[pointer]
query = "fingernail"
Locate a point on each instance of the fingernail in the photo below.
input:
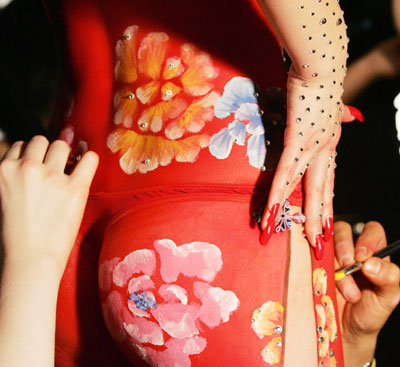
(269, 229)
(347, 259)
(328, 229)
(266, 234)
(361, 253)
(274, 213)
(319, 247)
(356, 113)
(373, 265)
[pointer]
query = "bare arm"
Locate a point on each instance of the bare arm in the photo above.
(42, 210)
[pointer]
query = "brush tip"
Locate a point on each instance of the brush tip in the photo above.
(340, 275)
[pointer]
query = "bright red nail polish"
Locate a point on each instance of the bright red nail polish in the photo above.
(319, 247)
(356, 113)
(267, 233)
(274, 212)
(269, 229)
(328, 229)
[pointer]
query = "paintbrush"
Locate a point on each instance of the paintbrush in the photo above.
(389, 250)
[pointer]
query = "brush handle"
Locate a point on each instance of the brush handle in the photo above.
(393, 247)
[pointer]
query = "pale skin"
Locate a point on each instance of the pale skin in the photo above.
(42, 209)
(364, 311)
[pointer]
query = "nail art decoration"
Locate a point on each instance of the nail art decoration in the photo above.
(284, 222)
(298, 218)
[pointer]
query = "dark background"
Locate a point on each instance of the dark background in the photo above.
(368, 173)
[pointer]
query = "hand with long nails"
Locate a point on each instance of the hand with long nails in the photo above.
(316, 43)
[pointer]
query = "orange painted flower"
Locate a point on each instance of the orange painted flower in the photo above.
(271, 354)
(323, 344)
(268, 319)
(329, 360)
(331, 326)
(145, 153)
(326, 325)
(163, 96)
(320, 283)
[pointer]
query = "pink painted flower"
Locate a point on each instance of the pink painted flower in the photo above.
(156, 319)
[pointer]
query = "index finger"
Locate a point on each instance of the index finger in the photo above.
(344, 245)
(371, 239)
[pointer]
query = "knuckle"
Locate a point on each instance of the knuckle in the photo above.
(40, 139)
(341, 225)
(28, 165)
(60, 144)
(17, 143)
(373, 223)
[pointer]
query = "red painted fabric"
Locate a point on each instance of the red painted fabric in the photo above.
(179, 99)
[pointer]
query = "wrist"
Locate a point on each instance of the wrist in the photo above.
(359, 350)
(43, 270)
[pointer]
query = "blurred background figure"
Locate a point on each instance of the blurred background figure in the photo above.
(368, 173)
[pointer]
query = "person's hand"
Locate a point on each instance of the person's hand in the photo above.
(314, 114)
(42, 207)
(366, 301)
(385, 58)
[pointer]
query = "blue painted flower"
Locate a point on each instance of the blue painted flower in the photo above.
(221, 143)
(143, 301)
(256, 150)
(237, 91)
(239, 98)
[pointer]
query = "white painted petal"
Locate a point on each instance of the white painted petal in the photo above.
(139, 261)
(221, 144)
(141, 283)
(144, 331)
(237, 91)
(237, 130)
(256, 150)
(173, 293)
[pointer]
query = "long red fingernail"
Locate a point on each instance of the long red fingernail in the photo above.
(274, 213)
(267, 233)
(328, 229)
(356, 113)
(319, 247)
(269, 229)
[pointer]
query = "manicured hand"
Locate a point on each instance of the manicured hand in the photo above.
(312, 133)
(367, 300)
(42, 206)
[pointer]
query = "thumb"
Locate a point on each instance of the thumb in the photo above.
(385, 277)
